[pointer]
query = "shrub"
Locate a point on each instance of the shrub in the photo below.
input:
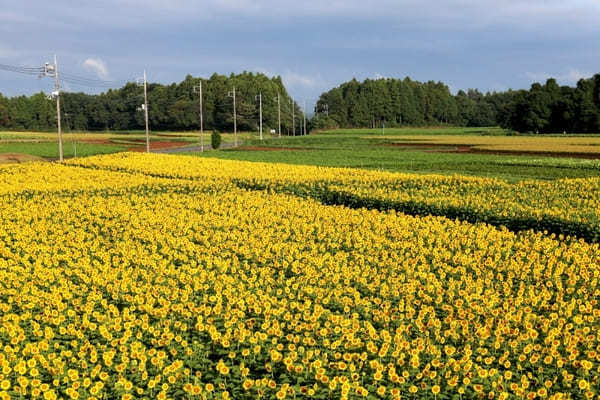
(215, 139)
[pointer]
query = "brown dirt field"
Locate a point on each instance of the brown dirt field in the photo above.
(157, 145)
(266, 148)
(463, 149)
(17, 158)
(96, 141)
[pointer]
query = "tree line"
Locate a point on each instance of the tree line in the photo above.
(396, 102)
(550, 108)
(171, 107)
(544, 108)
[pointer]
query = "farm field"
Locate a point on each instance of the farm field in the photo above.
(335, 301)
(158, 276)
(433, 150)
(49, 150)
(565, 206)
(80, 144)
(466, 151)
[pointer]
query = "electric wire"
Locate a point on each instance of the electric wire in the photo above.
(92, 81)
(22, 70)
(65, 77)
(86, 83)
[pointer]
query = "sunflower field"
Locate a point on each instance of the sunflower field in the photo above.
(568, 207)
(144, 276)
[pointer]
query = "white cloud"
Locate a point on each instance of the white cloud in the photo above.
(97, 66)
(295, 80)
(569, 77)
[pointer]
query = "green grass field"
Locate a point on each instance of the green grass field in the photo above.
(49, 150)
(361, 149)
(18, 145)
(422, 150)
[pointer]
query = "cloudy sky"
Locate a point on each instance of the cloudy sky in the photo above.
(313, 44)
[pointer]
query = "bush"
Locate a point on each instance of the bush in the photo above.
(215, 139)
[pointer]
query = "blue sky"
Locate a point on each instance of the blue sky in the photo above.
(313, 44)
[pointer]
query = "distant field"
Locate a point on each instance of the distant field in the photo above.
(50, 150)
(81, 144)
(110, 136)
(567, 145)
(468, 151)
(442, 130)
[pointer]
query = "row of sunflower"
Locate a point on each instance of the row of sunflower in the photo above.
(125, 285)
(568, 207)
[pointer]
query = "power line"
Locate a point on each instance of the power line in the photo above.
(65, 77)
(94, 80)
(91, 82)
(86, 84)
(22, 70)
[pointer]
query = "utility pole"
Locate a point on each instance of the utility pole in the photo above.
(304, 117)
(60, 144)
(145, 109)
(259, 97)
(279, 114)
(146, 112)
(235, 141)
(293, 116)
(198, 89)
(48, 69)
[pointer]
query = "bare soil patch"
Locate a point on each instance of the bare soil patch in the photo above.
(157, 145)
(183, 135)
(96, 141)
(17, 158)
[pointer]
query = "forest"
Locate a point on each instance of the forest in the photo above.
(544, 108)
(172, 107)
(550, 108)
(396, 102)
